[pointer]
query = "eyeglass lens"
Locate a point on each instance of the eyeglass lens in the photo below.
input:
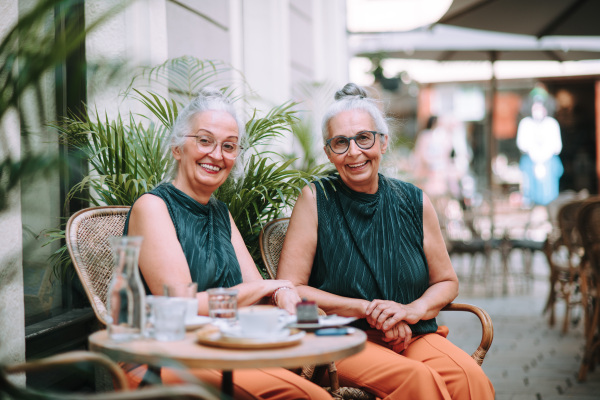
(207, 144)
(340, 144)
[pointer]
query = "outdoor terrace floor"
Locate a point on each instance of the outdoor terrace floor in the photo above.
(528, 359)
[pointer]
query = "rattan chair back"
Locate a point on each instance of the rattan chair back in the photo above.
(87, 234)
(271, 242)
(588, 224)
(567, 222)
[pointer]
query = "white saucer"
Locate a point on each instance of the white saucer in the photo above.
(236, 332)
(328, 321)
(197, 322)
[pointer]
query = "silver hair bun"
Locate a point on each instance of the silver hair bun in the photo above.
(351, 90)
(211, 92)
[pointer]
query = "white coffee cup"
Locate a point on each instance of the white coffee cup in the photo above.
(260, 321)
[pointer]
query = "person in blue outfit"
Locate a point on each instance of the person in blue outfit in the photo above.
(538, 138)
(190, 236)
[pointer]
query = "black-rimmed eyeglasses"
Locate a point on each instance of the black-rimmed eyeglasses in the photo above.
(207, 144)
(363, 139)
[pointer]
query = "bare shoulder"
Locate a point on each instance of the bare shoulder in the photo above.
(307, 201)
(149, 207)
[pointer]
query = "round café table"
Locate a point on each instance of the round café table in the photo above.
(312, 349)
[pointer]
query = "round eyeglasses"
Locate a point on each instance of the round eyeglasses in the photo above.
(207, 144)
(363, 139)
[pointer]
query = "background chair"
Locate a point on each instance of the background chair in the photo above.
(76, 359)
(271, 242)
(588, 225)
(564, 256)
(87, 234)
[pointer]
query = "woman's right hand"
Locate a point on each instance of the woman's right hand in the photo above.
(400, 333)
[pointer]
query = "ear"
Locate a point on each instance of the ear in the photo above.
(176, 151)
(384, 143)
(326, 150)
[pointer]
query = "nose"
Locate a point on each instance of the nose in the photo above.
(353, 148)
(217, 152)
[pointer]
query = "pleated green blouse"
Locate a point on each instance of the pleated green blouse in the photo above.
(204, 232)
(370, 246)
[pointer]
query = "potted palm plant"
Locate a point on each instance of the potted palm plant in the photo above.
(127, 156)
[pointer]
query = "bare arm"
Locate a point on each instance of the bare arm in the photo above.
(295, 263)
(162, 259)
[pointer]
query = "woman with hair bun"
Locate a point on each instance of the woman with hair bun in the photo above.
(367, 246)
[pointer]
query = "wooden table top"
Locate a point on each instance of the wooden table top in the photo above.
(311, 350)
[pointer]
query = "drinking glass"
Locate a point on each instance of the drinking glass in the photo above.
(169, 318)
(222, 305)
(187, 292)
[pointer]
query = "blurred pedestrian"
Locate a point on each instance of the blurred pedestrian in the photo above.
(538, 138)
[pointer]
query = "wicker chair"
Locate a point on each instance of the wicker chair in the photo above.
(87, 234)
(271, 242)
(564, 256)
(588, 225)
(75, 358)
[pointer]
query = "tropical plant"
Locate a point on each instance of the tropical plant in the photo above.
(127, 157)
(28, 52)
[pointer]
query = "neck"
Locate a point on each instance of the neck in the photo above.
(201, 196)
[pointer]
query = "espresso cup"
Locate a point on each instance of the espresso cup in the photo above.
(260, 321)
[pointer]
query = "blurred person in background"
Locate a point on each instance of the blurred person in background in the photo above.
(538, 138)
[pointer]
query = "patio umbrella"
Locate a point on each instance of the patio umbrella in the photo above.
(449, 43)
(538, 18)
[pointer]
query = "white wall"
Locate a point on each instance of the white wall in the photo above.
(135, 37)
(12, 313)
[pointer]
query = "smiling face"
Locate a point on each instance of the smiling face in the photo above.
(200, 173)
(358, 168)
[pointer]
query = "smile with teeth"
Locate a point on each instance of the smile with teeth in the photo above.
(357, 165)
(211, 167)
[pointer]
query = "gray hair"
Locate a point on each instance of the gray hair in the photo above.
(354, 97)
(208, 99)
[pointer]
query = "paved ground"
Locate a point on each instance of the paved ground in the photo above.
(528, 359)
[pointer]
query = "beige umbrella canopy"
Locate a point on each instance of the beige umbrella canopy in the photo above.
(538, 18)
(450, 43)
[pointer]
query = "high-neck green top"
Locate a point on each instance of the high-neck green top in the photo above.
(204, 232)
(370, 246)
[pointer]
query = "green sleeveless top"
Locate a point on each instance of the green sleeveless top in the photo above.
(204, 232)
(370, 246)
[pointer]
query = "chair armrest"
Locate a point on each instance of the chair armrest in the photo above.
(72, 357)
(487, 328)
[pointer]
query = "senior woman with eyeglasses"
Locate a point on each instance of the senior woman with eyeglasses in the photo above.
(367, 246)
(189, 236)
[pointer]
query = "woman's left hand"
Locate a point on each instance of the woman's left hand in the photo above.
(287, 299)
(385, 314)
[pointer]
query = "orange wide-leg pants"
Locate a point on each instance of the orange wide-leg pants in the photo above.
(430, 368)
(248, 384)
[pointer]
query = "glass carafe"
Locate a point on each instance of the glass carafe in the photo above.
(126, 296)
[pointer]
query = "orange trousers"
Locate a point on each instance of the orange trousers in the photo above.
(248, 384)
(430, 368)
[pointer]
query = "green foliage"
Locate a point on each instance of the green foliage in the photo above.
(28, 52)
(128, 158)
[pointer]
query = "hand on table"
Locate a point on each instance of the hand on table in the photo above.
(287, 300)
